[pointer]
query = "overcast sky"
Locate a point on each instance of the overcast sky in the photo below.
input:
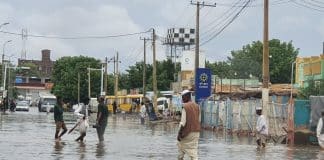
(288, 22)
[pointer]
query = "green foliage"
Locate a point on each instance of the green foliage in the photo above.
(313, 88)
(31, 72)
(65, 77)
(165, 72)
(221, 69)
(248, 61)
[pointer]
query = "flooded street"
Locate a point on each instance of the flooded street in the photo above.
(30, 135)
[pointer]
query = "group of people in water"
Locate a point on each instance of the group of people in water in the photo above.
(83, 119)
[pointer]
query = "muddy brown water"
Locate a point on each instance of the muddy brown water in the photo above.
(30, 135)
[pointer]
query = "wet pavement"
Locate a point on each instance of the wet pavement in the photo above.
(30, 135)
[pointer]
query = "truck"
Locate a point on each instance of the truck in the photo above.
(46, 103)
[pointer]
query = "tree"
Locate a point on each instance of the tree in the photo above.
(314, 88)
(248, 60)
(165, 75)
(65, 77)
(221, 69)
(31, 72)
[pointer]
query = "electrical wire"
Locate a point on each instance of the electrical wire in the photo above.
(314, 5)
(277, 2)
(77, 37)
(226, 25)
(221, 19)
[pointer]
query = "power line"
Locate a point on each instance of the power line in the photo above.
(311, 6)
(226, 25)
(277, 2)
(221, 19)
(77, 37)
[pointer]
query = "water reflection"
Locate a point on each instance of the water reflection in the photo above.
(58, 148)
(128, 139)
(114, 122)
(100, 150)
(260, 154)
(320, 154)
(81, 149)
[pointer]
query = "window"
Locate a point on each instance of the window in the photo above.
(192, 31)
(176, 35)
(186, 35)
(181, 30)
(181, 40)
(192, 40)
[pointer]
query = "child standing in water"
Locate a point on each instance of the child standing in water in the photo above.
(83, 121)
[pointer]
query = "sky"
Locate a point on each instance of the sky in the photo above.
(295, 21)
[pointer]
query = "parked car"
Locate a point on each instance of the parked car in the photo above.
(22, 106)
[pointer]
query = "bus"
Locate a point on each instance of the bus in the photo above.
(126, 103)
(46, 103)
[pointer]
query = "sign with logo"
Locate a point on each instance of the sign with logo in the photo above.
(203, 84)
(19, 80)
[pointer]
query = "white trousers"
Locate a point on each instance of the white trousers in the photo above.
(189, 146)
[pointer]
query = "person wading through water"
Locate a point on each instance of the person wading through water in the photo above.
(102, 118)
(83, 121)
(261, 128)
(58, 117)
(189, 131)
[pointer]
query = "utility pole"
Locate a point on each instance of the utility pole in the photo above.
(144, 66)
(198, 5)
(266, 45)
(116, 76)
(265, 65)
(79, 88)
(106, 76)
(154, 71)
(102, 80)
(89, 90)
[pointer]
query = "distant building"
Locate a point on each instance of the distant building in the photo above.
(308, 68)
(45, 65)
(31, 87)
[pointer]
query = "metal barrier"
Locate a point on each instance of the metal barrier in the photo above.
(239, 115)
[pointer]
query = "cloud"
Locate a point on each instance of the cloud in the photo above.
(79, 21)
(320, 28)
(6, 12)
(291, 23)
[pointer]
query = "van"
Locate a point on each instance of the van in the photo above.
(162, 104)
(93, 105)
(46, 103)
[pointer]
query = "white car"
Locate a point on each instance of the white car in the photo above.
(22, 106)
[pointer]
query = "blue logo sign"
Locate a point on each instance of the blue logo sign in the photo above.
(19, 80)
(202, 83)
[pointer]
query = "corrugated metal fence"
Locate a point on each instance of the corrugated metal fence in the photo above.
(239, 115)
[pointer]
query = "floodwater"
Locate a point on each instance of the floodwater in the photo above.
(30, 135)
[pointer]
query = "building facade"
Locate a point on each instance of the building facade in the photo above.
(31, 87)
(309, 68)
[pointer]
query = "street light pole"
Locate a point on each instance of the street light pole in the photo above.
(3, 54)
